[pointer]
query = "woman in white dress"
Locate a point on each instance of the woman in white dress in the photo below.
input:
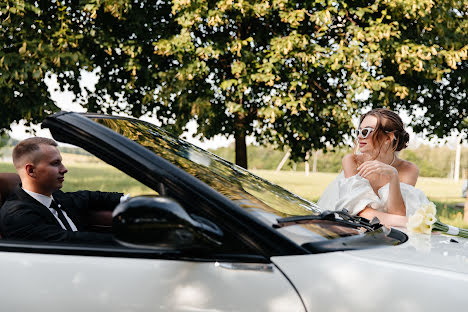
(374, 181)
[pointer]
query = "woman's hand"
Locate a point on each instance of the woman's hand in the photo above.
(387, 219)
(395, 204)
(370, 167)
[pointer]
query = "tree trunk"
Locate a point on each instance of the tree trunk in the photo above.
(241, 146)
(241, 151)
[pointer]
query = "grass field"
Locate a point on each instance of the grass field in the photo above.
(89, 173)
(444, 193)
(310, 187)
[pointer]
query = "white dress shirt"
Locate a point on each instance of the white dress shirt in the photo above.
(47, 201)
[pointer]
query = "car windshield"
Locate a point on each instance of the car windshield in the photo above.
(265, 200)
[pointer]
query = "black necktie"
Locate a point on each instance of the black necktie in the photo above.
(61, 216)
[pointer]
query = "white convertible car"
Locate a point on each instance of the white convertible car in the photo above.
(218, 238)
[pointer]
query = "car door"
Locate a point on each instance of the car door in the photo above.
(237, 276)
(68, 278)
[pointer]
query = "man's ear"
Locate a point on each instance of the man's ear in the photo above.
(30, 170)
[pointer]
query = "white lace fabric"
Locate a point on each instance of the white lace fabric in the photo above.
(355, 193)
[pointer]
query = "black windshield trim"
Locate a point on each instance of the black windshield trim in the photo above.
(341, 217)
(368, 240)
(151, 169)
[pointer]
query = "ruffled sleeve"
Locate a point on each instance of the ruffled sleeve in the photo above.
(329, 197)
(413, 198)
(355, 194)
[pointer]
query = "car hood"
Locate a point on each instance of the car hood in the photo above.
(426, 273)
(437, 251)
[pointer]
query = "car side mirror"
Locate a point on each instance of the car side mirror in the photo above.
(158, 222)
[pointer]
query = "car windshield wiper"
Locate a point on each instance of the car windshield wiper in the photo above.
(341, 217)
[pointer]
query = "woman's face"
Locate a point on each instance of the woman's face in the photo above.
(365, 144)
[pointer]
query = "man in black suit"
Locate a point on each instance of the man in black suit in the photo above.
(38, 210)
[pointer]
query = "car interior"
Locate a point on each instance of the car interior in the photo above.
(8, 182)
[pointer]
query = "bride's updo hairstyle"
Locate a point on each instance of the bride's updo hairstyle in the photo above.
(387, 122)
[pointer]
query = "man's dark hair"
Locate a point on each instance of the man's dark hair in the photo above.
(26, 150)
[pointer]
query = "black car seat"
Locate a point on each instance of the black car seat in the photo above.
(8, 183)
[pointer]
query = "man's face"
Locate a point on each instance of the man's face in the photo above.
(49, 171)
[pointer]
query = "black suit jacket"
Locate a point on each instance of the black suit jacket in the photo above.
(23, 217)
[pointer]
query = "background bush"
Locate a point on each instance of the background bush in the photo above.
(432, 161)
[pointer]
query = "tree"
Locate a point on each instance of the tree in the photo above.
(209, 71)
(290, 73)
(426, 62)
(37, 38)
(4, 139)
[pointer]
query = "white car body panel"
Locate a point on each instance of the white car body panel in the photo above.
(426, 273)
(408, 277)
(436, 251)
(53, 283)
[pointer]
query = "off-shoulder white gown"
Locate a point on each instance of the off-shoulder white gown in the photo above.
(355, 193)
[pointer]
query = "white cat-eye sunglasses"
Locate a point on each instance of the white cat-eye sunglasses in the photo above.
(364, 132)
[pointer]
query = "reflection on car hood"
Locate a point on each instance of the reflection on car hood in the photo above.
(437, 251)
(426, 273)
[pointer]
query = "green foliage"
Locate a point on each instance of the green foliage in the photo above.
(267, 158)
(7, 167)
(432, 161)
(73, 150)
(4, 139)
(37, 38)
(289, 73)
(259, 157)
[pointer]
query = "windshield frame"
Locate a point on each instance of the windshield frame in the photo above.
(150, 169)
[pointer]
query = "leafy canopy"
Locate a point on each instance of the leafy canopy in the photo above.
(290, 73)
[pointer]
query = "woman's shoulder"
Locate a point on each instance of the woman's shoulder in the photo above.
(408, 166)
(408, 172)
(349, 163)
(348, 158)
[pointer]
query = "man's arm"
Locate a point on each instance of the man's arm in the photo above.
(23, 221)
(91, 200)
